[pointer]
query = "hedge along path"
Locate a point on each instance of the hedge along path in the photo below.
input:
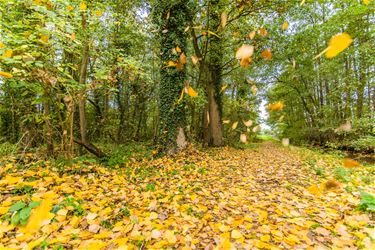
(220, 198)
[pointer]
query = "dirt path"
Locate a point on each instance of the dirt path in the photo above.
(218, 199)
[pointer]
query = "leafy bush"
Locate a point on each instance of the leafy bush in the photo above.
(367, 202)
(365, 143)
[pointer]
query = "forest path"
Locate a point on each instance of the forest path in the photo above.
(266, 197)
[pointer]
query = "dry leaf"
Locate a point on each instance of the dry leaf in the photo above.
(252, 34)
(224, 19)
(245, 51)
(194, 59)
(263, 32)
(266, 54)
(248, 123)
(349, 163)
(243, 138)
(6, 74)
(234, 125)
(284, 26)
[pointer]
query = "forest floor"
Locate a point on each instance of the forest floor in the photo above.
(261, 197)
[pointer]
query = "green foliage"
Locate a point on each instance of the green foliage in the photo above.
(367, 202)
(8, 149)
(342, 174)
(19, 212)
(320, 172)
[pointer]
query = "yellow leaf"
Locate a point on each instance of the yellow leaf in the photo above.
(349, 163)
(187, 29)
(171, 64)
(191, 92)
(2, 45)
(170, 237)
(6, 74)
(254, 89)
(8, 53)
(223, 88)
(248, 123)
(39, 216)
(267, 54)
(245, 62)
(35, 243)
(182, 58)
(181, 96)
(224, 228)
(178, 49)
(263, 32)
(235, 234)
(226, 121)
(224, 19)
(234, 125)
(225, 244)
(3, 210)
(243, 138)
(73, 36)
(70, 8)
(337, 44)
(252, 34)
(194, 59)
(284, 26)
(265, 238)
(44, 38)
(98, 13)
(291, 240)
(245, 51)
(83, 6)
(302, 2)
(366, 2)
(277, 106)
(313, 189)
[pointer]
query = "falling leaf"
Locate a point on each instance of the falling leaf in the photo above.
(263, 32)
(243, 138)
(235, 234)
(226, 121)
(245, 51)
(39, 216)
(331, 184)
(164, 31)
(284, 26)
(83, 6)
(337, 44)
(191, 92)
(8, 53)
(248, 123)
(345, 127)
(252, 34)
(349, 163)
(267, 54)
(223, 88)
(194, 59)
(366, 2)
(178, 49)
(44, 38)
(182, 58)
(245, 62)
(234, 125)
(6, 74)
(70, 8)
(2, 45)
(181, 95)
(254, 89)
(277, 106)
(98, 13)
(302, 2)
(73, 36)
(224, 19)
(171, 64)
(187, 29)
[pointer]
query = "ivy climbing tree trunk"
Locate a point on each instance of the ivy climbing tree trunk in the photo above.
(171, 19)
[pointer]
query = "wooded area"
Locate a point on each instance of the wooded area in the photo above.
(158, 88)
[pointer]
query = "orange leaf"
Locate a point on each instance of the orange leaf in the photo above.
(182, 58)
(8, 53)
(267, 54)
(70, 8)
(6, 74)
(263, 32)
(349, 163)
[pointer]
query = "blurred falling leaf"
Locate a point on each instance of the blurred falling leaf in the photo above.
(277, 106)
(194, 59)
(8, 53)
(245, 62)
(349, 163)
(226, 121)
(2, 45)
(302, 2)
(256, 129)
(245, 51)
(285, 142)
(366, 2)
(191, 92)
(187, 29)
(263, 32)
(6, 74)
(284, 26)
(70, 8)
(243, 138)
(331, 184)
(178, 49)
(224, 19)
(83, 6)
(182, 58)
(73, 36)
(223, 88)
(44, 38)
(252, 34)
(234, 125)
(39, 216)
(98, 13)
(337, 44)
(267, 54)
(248, 123)
(254, 89)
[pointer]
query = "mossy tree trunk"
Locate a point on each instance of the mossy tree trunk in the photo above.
(171, 19)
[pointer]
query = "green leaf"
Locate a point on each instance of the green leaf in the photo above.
(15, 219)
(17, 206)
(25, 213)
(34, 204)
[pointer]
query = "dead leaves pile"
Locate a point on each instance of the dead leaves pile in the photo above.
(216, 199)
